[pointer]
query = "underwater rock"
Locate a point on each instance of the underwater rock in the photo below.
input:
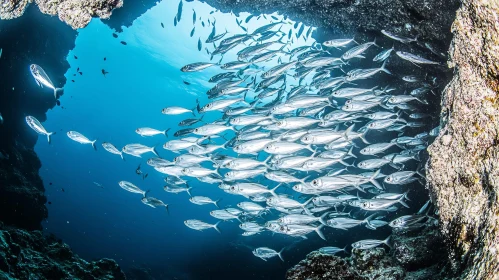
(22, 197)
(31, 255)
(424, 18)
(418, 254)
(463, 170)
(318, 266)
(76, 13)
(10, 9)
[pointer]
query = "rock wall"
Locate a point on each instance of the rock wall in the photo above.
(463, 171)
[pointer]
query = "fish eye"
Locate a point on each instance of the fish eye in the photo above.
(365, 204)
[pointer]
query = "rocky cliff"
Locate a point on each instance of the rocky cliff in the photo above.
(463, 171)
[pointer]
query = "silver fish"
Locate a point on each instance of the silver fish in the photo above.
(131, 188)
(80, 138)
(199, 225)
(265, 253)
(112, 149)
(42, 79)
(38, 127)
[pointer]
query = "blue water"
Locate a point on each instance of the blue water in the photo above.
(143, 78)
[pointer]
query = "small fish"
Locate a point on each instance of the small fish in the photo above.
(187, 83)
(1, 118)
(75, 56)
(147, 131)
(248, 18)
(200, 46)
(265, 253)
(137, 150)
(174, 110)
(162, 25)
(112, 149)
(175, 21)
(193, 17)
(42, 79)
(115, 35)
(80, 138)
(105, 59)
(415, 59)
(193, 30)
(179, 10)
(154, 202)
(331, 250)
(395, 37)
(370, 243)
(203, 200)
(104, 72)
(189, 122)
(131, 188)
(199, 225)
(198, 66)
(123, 43)
(38, 127)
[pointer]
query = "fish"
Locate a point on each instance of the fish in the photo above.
(415, 59)
(383, 55)
(38, 127)
(179, 11)
(192, 32)
(1, 119)
(132, 188)
(80, 138)
(174, 110)
(193, 17)
(194, 67)
(338, 43)
(154, 202)
(112, 149)
(331, 250)
(265, 253)
(200, 66)
(42, 79)
(123, 43)
(399, 38)
(202, 200)
(147, 131)
(137, 150)
(189, 122)
(370, 243)
(199, 225)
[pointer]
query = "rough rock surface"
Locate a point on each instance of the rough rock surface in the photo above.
(76, 13)
(416, 255)
(30, 255)
(406, 17)
(463, 171)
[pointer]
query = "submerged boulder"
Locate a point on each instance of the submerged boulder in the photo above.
(31, 255)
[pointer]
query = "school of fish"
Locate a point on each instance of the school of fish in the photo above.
(303, 144)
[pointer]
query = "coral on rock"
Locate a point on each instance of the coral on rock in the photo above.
(463, 171)
(31, 255)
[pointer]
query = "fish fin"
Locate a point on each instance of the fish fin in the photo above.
(215, 226)
(280, 254)
(93, 144)
(48, 136)
(166, 132)
(401, 201)
(189, 190)
(216, 203)
(350, 152)
(319, 232)
(121, 155)
(387, 241)
(272, 191)
(383, 68)
(153, 150)
(55, 92)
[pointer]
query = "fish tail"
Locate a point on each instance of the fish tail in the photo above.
(146, 192)
(322, 218)
(166, 132)
(422, 101)
(215, 226)
(383, 68)
(55, 92)
(401, 201)
(280, 254)
(48, 136)
(350, 153)
(167, 210)
(121, 155)
(153, 150)
(272, 191)
(319, 232)
(189, 191)
(216, 203)
(387, 241)
(93, 144)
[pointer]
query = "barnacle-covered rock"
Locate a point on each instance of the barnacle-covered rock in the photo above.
(318, 266)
